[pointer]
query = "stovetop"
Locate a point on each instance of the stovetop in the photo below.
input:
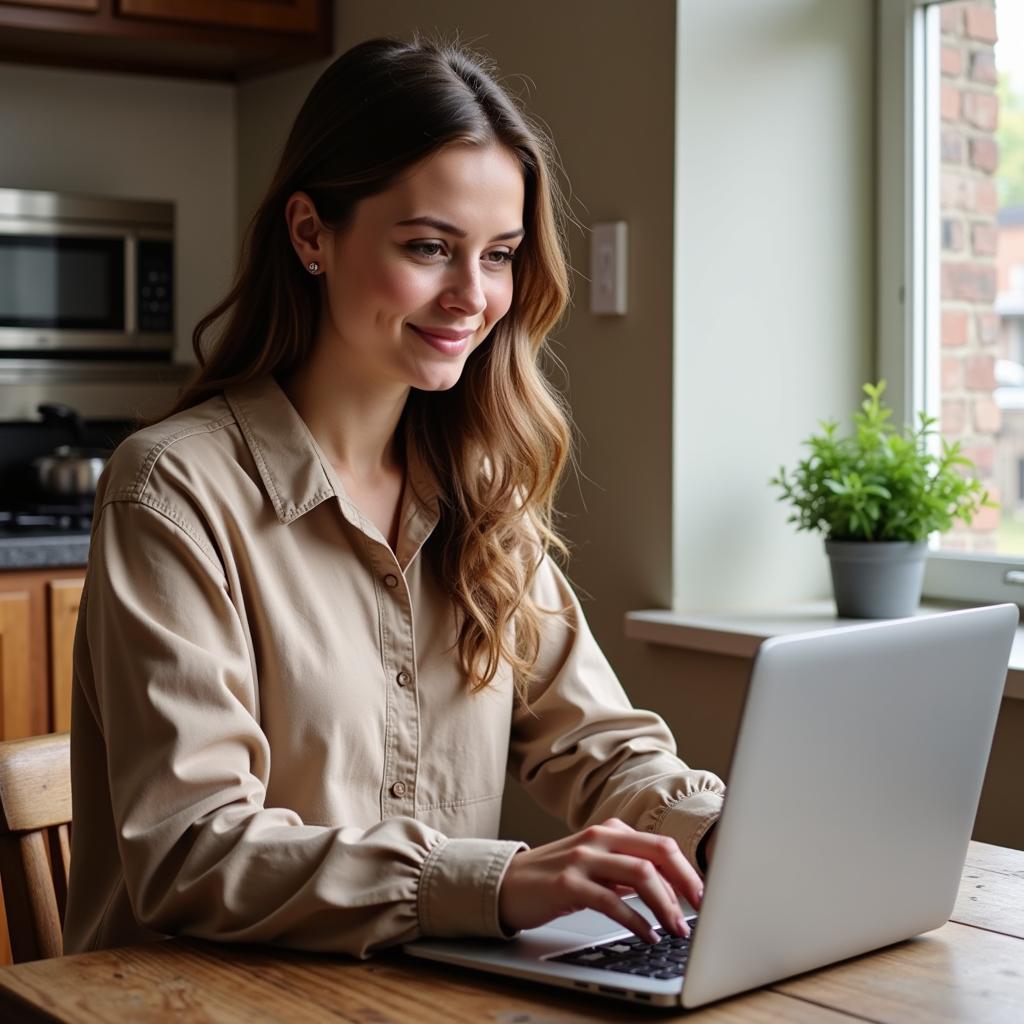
(38, 528)
(39, 518)
(37, 535)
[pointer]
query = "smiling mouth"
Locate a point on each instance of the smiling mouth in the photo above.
(445, 343)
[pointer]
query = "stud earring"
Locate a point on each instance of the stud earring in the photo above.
(313, 267)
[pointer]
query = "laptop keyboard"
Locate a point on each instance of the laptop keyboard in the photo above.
(666, 959)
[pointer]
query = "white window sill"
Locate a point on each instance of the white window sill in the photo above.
(740, 633)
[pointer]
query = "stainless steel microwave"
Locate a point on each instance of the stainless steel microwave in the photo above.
(85, 276)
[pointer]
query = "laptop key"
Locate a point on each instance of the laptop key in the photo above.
(631, 955)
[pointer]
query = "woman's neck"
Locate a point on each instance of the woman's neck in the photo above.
(354, 421)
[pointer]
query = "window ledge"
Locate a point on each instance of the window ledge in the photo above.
(740, 633)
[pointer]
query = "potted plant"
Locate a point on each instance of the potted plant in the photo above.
(876, 495)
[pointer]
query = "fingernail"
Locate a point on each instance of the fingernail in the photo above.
(682, 928)
(652, 936)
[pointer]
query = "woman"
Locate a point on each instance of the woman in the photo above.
(320, 619)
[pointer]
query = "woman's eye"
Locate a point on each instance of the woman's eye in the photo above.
(499, 257)
(428, 249)
(433, 250)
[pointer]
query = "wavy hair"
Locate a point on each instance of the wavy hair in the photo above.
(499, 440)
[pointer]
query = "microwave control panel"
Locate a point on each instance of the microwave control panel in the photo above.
(155, 285)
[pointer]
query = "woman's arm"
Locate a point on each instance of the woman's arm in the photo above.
(587, 756)
(168, 678)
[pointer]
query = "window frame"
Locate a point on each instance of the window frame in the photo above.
(909, 265)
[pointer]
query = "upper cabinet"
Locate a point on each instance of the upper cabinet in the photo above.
(226, 40)
(56, 5)
(263, 15)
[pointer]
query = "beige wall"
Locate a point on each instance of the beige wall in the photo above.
(132, 136)
(774, 278)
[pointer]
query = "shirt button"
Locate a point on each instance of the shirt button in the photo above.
(403, 678)
(398, 789)
(391, 580)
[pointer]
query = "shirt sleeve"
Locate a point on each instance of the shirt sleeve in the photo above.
(585, 754)
(176, 700)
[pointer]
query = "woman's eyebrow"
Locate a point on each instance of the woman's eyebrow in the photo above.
(451, 229)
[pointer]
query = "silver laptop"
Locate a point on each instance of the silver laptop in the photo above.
(852, 794)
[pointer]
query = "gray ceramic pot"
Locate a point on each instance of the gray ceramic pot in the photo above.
(876, 579)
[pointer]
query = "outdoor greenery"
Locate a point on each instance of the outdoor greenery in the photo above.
(1010, 135)
(880, 484)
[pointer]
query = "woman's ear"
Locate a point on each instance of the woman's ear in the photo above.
(308, 235)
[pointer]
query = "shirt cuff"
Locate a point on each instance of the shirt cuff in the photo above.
(459, 884)
(688, 820)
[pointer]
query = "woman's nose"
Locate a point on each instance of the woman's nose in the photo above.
(464, 291)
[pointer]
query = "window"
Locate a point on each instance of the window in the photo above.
(951, 237)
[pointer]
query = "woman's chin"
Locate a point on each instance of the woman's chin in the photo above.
(438, 381)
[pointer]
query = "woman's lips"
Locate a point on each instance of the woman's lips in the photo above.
(451, 343)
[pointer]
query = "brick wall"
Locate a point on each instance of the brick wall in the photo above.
(969, 327)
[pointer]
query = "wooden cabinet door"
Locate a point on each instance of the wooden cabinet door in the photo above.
(64, 599)
(265, 15)
(55, 5)
(15, 693)
(15, 675)
(23, 640)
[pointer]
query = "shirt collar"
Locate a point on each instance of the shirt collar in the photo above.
(287, 457)
(295, 472)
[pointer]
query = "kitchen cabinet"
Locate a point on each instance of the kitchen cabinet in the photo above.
(16, 697)
(38, 614)
(60, 5)
(226, 40)
(289, 15)
(15, 691)
(64, 597)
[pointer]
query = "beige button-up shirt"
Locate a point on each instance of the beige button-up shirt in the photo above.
(272, 738)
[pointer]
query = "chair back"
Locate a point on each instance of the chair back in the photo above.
(35, 842)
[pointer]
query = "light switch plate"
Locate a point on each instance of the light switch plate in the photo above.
(608, 268)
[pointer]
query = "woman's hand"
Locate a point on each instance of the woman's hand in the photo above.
(592, 869)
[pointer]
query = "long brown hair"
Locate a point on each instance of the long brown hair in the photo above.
(497, 441)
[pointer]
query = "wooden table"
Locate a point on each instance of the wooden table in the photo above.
(970, 970)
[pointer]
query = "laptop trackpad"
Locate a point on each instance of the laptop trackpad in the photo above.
(590, 922)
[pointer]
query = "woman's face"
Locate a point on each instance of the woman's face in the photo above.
(415, 282)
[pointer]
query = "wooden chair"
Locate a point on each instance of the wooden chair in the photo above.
(35, 842)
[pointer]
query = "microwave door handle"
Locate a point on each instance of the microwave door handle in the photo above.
(131, 297)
